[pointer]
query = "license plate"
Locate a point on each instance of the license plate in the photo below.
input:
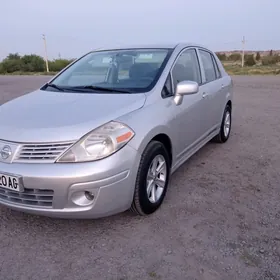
(10, 182)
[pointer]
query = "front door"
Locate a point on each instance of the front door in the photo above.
(191, 114)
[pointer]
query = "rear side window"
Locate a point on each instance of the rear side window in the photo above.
(210, 68)
(217, 70)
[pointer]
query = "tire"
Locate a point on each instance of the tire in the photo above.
(223, 135)
(144, 201)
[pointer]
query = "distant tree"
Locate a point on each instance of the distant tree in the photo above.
(234, 57)
(14, 56)
(222, 56)
(58, 64)
(270, 60)
(258, 56)
(1, 69)
(33, 63)
(30, 63)
(249, 60)
(271, 53)
(11, 63)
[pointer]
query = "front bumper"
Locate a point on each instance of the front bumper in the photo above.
(58, 189)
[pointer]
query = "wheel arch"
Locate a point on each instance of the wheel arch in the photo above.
(227, 102)
(160, 134)
(166, 141)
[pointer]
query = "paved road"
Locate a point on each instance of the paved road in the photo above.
(220, 220)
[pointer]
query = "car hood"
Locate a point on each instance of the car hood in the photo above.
(48, 116)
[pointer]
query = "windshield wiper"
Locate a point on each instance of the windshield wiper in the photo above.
(55, 86)
(103, 89)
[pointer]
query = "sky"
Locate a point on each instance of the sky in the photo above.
(74, 27)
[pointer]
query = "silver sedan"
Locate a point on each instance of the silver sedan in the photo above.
(105, 134)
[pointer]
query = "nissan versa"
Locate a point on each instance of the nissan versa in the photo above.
(105, 134)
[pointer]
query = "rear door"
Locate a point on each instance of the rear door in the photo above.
(212, 89)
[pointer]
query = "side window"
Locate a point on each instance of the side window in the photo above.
(186, 68)
(167, 89)
(209, 68)
(217, 70)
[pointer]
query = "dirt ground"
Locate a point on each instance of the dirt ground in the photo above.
(220, 219)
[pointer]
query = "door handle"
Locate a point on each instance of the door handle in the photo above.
(204, 94)
(223, 86)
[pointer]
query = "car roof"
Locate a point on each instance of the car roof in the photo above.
(178, 45)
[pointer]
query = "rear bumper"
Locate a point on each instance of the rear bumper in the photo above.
(110, 183)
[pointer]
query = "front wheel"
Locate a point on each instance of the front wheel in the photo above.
(152, 179)
(225, 128)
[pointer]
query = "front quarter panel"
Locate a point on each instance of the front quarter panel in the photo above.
(149, 121)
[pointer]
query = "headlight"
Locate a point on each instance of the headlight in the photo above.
(99, 143)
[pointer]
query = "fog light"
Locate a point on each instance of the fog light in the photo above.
(84, 198)
(89, 195)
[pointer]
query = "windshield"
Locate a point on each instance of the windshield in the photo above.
(128, 71)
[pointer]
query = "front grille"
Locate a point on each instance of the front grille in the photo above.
(41, 152)
(30, 197)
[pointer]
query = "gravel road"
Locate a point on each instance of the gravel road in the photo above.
(220, 220)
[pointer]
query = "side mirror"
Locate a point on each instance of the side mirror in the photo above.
(185, 88)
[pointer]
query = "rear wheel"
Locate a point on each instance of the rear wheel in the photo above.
(225, 128)
(152, 179)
